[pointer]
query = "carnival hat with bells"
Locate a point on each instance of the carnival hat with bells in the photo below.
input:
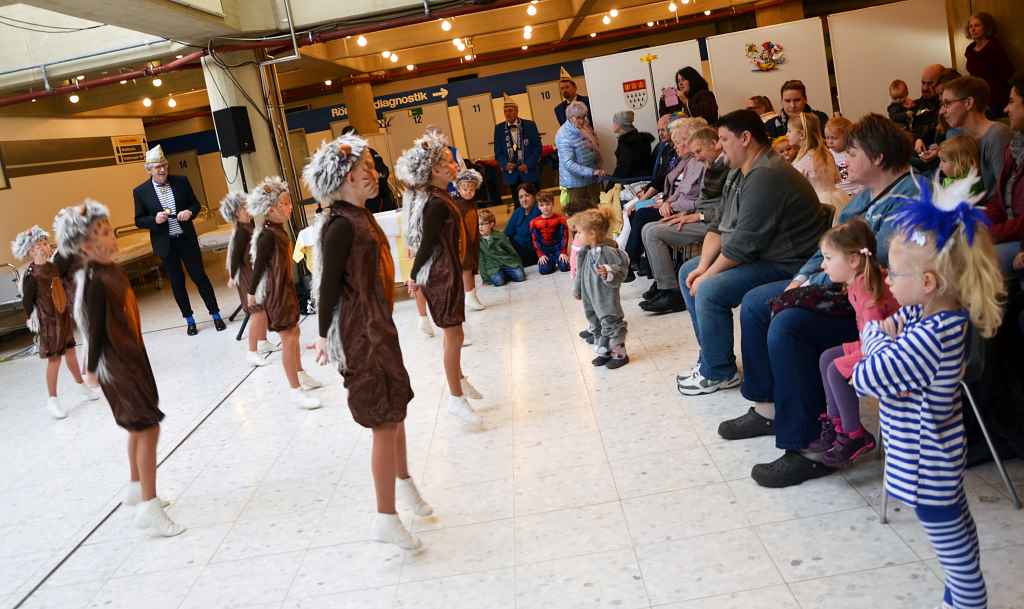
(155, 155)
(563, 75)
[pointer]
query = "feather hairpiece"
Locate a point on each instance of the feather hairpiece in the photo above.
(941, 209)
(25, 241)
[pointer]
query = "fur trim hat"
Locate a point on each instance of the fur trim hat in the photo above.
(26, 240)
(414, 166)
(71, 226)
(470, 175)
(330, 164)
(265, 195)
(230, 204)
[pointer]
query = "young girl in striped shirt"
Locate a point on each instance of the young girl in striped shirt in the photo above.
(943, 271)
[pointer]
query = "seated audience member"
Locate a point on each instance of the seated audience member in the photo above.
(665, 158)
(781, 351)
(499, 262)
(763, 106)
(681, 191)
(633, 149)
(837, 138)
(987, 60)
(518, 227)
(692, 96)
(926, 109)
(901, 110)
(783, 148)
(1006, 207)
(550, 234)
(771, 221)
(813, 159)
(927, 159)
(958, 157)
(962, 105)
(794, 102)
(684, 228)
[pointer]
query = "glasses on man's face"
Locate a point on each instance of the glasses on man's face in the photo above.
(949, 102)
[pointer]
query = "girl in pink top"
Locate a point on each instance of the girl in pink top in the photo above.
(849, 257)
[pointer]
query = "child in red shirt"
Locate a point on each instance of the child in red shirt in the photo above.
(550, 235)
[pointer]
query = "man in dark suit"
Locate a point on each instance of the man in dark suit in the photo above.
(567, 87)
(166, 205)
(517, 148)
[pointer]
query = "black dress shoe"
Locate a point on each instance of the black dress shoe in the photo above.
(192, 330)
(651, 291)
(220, 325)
(667, 301)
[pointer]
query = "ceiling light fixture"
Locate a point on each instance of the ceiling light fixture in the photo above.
(385, 54)
(410, 67)
(672, 7)
(124, 82)
(527, 34)
(147, 102)
(74, 99)
(531, 10)
(34, 100)
(446, 25)
(614, 12)
(708, 13)
(606, 20)
(524, 47)
(394, 58)
(650, 24)
(328, 82)
(686, 1)
(469, 57)
(157, 82)
(593, 34)
(172, 103)
(361, 41)
(179, 56)
(81, 77)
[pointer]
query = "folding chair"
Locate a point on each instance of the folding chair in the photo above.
(973, 369)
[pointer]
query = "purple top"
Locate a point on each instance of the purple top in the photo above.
(682, 184)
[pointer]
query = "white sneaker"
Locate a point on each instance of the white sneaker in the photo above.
(473, 301)
(698, 384)
(388, 528)
(87, 393)
(304, 400)
(265, 346)
(151, 517)
(132, 495)
(307, 382)
(685, 375)
(426, 327)
(53, 405)
(255, 359)
(410, 495)
(466, 340)
(460, 408)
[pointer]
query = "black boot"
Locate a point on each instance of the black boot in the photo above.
(667, 301)
(651, 291)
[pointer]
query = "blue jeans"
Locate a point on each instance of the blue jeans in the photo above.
(781, 362)
(554, 263)
(506, 274)
(711, 311)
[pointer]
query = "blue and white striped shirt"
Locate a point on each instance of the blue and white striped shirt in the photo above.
(916, 378)
(166, 196)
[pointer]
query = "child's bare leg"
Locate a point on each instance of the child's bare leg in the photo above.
(468, 281)
(257, 329)
(383, 465)
(453, 359)
(401, 462)
(145, 459)
(133, 452)
(71, 361)
(421, 303)
(290, 355)
(52, 369)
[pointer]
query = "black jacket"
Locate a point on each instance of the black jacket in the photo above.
(780, 124)
(633, 155)
(147, 206)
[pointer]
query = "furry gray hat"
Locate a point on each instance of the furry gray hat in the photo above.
(71, 226)
(230, 204)
(25, 241)
(470, 175)
(329, 165)
(414, 166)
(265, 195)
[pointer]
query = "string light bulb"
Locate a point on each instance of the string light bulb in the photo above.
(361, 41)
(147, 102)
(446, 25)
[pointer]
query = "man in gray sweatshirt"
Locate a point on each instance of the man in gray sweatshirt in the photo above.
(771, 223)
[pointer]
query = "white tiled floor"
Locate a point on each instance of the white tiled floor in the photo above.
(589, 488)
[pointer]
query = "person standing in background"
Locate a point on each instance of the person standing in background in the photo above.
(517, 148)
(692, 96)
(567, 87)
(987, 60)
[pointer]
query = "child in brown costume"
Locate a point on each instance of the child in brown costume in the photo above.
(467, 183)
(434, 230)
(47, 304)
(273, 286)
(354, 283)
(239, 264)
(108, 315)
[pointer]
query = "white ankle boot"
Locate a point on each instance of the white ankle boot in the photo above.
(473, 302)
(304, 400)
(426, 327)
(54, 408)
(460, 408)
(87, 393)
(255, 359)
(388, 528)
(152, 518)
(132, 495)
(265, 346)
(410, 495)
(307, 382)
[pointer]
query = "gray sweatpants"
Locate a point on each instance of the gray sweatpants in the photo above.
(607, 322)
(660, 240)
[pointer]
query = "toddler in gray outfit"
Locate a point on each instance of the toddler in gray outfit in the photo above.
(600, 268)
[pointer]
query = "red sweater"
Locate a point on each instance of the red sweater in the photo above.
(1003, 227)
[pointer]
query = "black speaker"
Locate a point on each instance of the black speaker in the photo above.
(233, 130)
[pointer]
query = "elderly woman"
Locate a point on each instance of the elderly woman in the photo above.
(578, 160)
(987, 60)
(781, 351)
(682, 188)
(633, 150)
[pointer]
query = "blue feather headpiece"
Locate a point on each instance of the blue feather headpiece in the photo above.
(940, 209)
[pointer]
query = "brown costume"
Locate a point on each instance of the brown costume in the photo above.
(443, 234)
(44, 291)
(116, 352)
(356, 301)
(240, 263)
(273, 268)
(471, 226)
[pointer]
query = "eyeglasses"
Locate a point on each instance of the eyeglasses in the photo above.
(949, 102)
